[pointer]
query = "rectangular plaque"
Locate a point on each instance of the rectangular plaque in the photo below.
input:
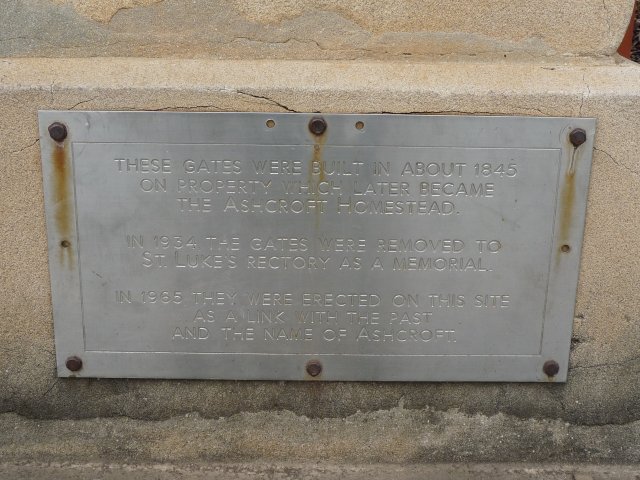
(244, 246)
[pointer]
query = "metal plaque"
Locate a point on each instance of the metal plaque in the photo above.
(314, 247)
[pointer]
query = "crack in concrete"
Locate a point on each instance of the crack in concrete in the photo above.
(103, 12)
(178, 108)
(50, 388)
(620, 164)
(268, 99)
(131, 7)
(585, 95)
(629, 361)
(439, 112)
(528, 109)
(83, 102)
(282, 42)
(460, 112)
(25, 148)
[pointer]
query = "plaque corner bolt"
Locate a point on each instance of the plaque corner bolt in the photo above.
(74, 363)
(314, 368)
(551, 368)
(577, 137)
(58, 131)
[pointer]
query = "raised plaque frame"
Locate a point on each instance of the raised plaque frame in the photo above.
(542, 136)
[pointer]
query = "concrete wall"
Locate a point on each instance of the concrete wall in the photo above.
(594, 417)
(304, 29)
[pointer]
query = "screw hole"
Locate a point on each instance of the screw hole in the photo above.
(565, 248)
(359, 125)
(271, 123)
(65, 243)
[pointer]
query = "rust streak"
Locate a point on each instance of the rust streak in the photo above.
(62, 199)
(567, 200)
(318, 160)
(567, 204)
(314, 180)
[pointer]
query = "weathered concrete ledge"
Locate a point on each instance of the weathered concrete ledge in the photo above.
(315, 471)
(303, 29)
(396, 436)
(603, 380)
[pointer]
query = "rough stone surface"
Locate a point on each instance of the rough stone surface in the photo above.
(593, 417)
(103, 10)
(304, 29)
(315, 471)
(395, 436)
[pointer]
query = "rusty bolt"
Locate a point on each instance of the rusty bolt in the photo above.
(578, 137)
(74, 363)
(65, 243)
(58, 131)
(317, 125)
(314, 368)
(551, 368)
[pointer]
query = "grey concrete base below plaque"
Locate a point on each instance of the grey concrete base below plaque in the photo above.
(317, 471)
(397, 436)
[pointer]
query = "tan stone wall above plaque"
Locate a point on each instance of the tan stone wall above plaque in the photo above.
(322, 29)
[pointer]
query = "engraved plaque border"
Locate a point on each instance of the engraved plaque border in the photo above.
(381, 130)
